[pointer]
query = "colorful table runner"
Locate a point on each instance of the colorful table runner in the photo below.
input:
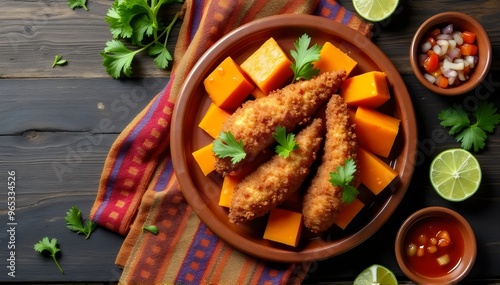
(138, 186)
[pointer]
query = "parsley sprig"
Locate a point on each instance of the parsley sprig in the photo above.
(472, 135)
(138, 21)
(51, 246)
(227, 146)
(74, 222)
(343, 177)
(286, 142)
(304, 58)
(78, 4)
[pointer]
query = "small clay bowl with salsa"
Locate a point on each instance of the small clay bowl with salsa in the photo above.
(435, 245)
(442, 27)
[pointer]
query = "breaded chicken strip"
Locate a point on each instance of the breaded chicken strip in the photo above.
(275, 180)
(322, 200)
(255, 121)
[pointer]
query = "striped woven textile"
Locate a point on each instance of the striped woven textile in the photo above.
(138, 186)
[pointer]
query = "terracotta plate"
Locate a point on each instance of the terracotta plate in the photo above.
(202, 192)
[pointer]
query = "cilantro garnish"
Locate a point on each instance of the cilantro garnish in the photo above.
(286, 142)
(227, 146)
(51, 246)
(58, 61)
(74, 222)
(343, 177)
(138, 21)
(151, 228)
(304, 57)
(470, 134)
(78, 4)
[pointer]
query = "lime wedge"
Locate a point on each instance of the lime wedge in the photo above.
(376, 274)
(375, 10)
(455, 174)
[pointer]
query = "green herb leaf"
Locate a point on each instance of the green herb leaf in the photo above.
(58, 61)
(227, 146)
(51, 246)
(343, 177)
(151, 228)
(138, 21)
(304, 57)
(470, 135)
(78, 4)
(74, 222)
(286, 142)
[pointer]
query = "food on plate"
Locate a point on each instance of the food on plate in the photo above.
(375, 130)
(331, 58)
(275, 180)
(368, 89)
(227, 85)
(213, 119)
(284, 226)
(268, 66)
(323, 200)
(254, 122)
(448, 56)
(434, 246)
(205, 159)
(226, 193)
(375, 174)
(348, 213)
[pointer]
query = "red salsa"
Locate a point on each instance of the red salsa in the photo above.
(434, 246)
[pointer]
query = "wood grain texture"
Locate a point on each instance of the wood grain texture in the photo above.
(58, 124)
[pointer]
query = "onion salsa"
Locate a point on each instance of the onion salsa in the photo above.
(434, 246)
(448, 56)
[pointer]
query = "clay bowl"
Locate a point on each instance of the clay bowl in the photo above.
(426, 270)
(461, 22)
(202, 192)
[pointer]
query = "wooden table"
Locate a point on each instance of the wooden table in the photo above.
(51, 135)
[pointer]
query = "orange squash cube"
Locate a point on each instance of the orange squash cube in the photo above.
(227, 85)
(205, 159)
(348, 213)
(375, 174)
(376, 131)
(331, 58)
(268, 66)
(368, 90)
(213, 120)
(284, 226)
(226, 193)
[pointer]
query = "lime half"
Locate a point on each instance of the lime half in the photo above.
(455, 174)
(376, 274)
(375, 10)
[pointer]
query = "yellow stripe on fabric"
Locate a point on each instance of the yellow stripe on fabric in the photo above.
(180, 250)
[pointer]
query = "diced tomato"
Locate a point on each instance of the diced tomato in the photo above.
(468, 49)
(431, 40)
(442, 82)
(431, 62)
(468, 37)
(444, 238)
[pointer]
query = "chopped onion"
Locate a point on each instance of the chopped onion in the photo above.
(470, 60)
(444, 37)
(411, 249)
(426, 47)
(436, 49)
(443, 260)
(444, 44)
(430, 78)
(448, 29)
(453, 65)
(457, 36)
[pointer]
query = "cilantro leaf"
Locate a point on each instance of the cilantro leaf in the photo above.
(151, 228)
(58, 61)
(286, 142)
(74, 222)
(343, 177)
(139, 22)
(304, 57)
(78, 4)
(118, 58)
(227, 146)
(471, 135)
(51, 246)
